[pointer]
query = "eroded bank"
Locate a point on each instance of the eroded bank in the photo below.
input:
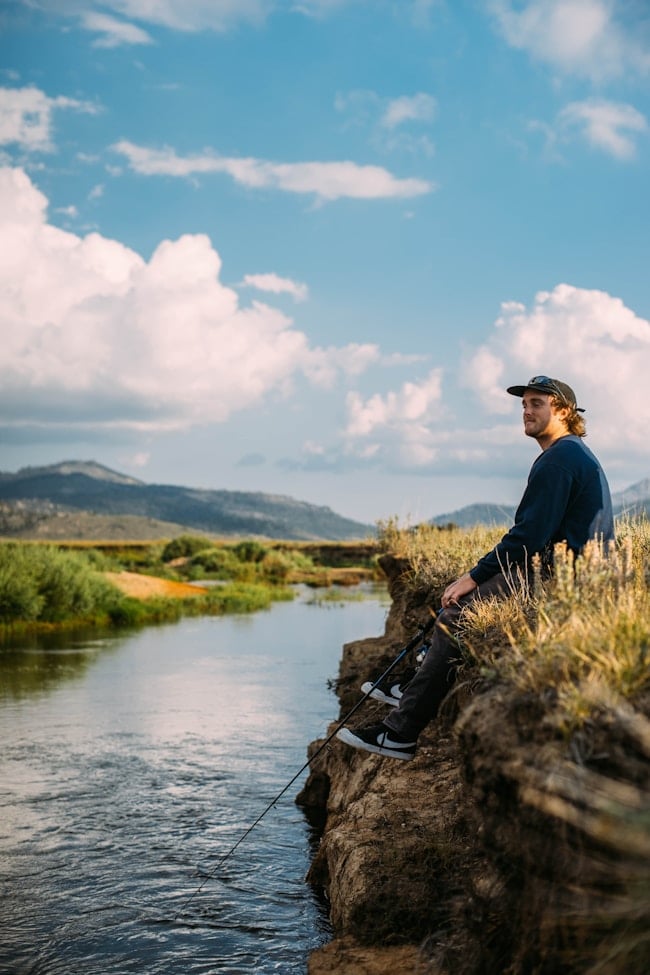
(505, 846)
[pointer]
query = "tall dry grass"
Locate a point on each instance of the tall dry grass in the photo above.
(585, 632)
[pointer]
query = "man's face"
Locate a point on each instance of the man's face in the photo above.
(542, 420)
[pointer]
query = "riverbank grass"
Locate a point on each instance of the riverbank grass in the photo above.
(583, 635)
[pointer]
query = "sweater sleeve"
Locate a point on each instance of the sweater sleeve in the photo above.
(537, 520)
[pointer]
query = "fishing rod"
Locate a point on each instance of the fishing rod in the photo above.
(411, 645)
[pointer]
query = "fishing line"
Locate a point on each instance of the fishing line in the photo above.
(423, 630)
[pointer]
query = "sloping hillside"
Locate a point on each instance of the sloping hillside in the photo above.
(77, 486)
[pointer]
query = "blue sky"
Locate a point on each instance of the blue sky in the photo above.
(302, 246)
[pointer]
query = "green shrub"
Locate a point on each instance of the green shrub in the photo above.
(243, 598)
(128, 612)
(101, 561)
(45, 584)
(185, 546)
(250, 551)
(277, 566)
(19, 595)
(220, 563)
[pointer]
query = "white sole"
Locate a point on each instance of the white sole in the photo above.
(378, 695)
(349, 738)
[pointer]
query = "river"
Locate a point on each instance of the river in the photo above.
(130, 765)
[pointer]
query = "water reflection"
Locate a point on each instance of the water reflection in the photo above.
(38, 664)
(129, 767)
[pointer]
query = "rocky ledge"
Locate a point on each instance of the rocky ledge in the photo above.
(505, 847)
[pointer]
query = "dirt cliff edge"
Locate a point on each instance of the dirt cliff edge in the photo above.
(503, 847)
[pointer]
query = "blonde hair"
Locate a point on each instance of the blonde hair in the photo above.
(575, 422)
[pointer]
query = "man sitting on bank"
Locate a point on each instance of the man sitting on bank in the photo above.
(567, 499)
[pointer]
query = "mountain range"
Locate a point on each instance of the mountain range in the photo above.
(84, 499)
(62, 493)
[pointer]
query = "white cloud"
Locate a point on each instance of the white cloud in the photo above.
(323, 365)
(326, 180)
(69, 211)
(193, 15)
(113, 33)
(582, 37)
(409, 108)
(189, 16)
(398, 425)
(26, 117)
(392, 122)
(605, 125)
(586, 338)
(94, 335)
(276, 285)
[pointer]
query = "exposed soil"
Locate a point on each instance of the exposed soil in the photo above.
(147, 587)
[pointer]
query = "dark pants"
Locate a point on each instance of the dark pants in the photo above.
(426, 691)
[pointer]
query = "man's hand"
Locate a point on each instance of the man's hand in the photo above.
(456, 590)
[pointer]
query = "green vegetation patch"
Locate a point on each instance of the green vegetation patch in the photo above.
(44, 584)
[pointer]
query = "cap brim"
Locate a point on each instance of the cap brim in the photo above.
(520, 390)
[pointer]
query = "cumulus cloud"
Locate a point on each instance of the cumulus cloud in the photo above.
(93, 334)
(606, 125)
(582, 37)
(276, 285)
(399, 424)
(113, 32)
(588, 338)
(326, 180)
(26, 117)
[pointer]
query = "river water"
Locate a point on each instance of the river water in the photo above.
(130, 765)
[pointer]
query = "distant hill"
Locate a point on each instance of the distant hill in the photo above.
(477, 514)
(90, 488)
(634, 500)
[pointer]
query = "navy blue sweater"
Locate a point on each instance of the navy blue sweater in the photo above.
(566, 499)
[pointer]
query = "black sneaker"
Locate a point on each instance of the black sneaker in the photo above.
(380, 740)
(387, 694)
(388, 691)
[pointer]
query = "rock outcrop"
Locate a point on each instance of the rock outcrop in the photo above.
(505, 846)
